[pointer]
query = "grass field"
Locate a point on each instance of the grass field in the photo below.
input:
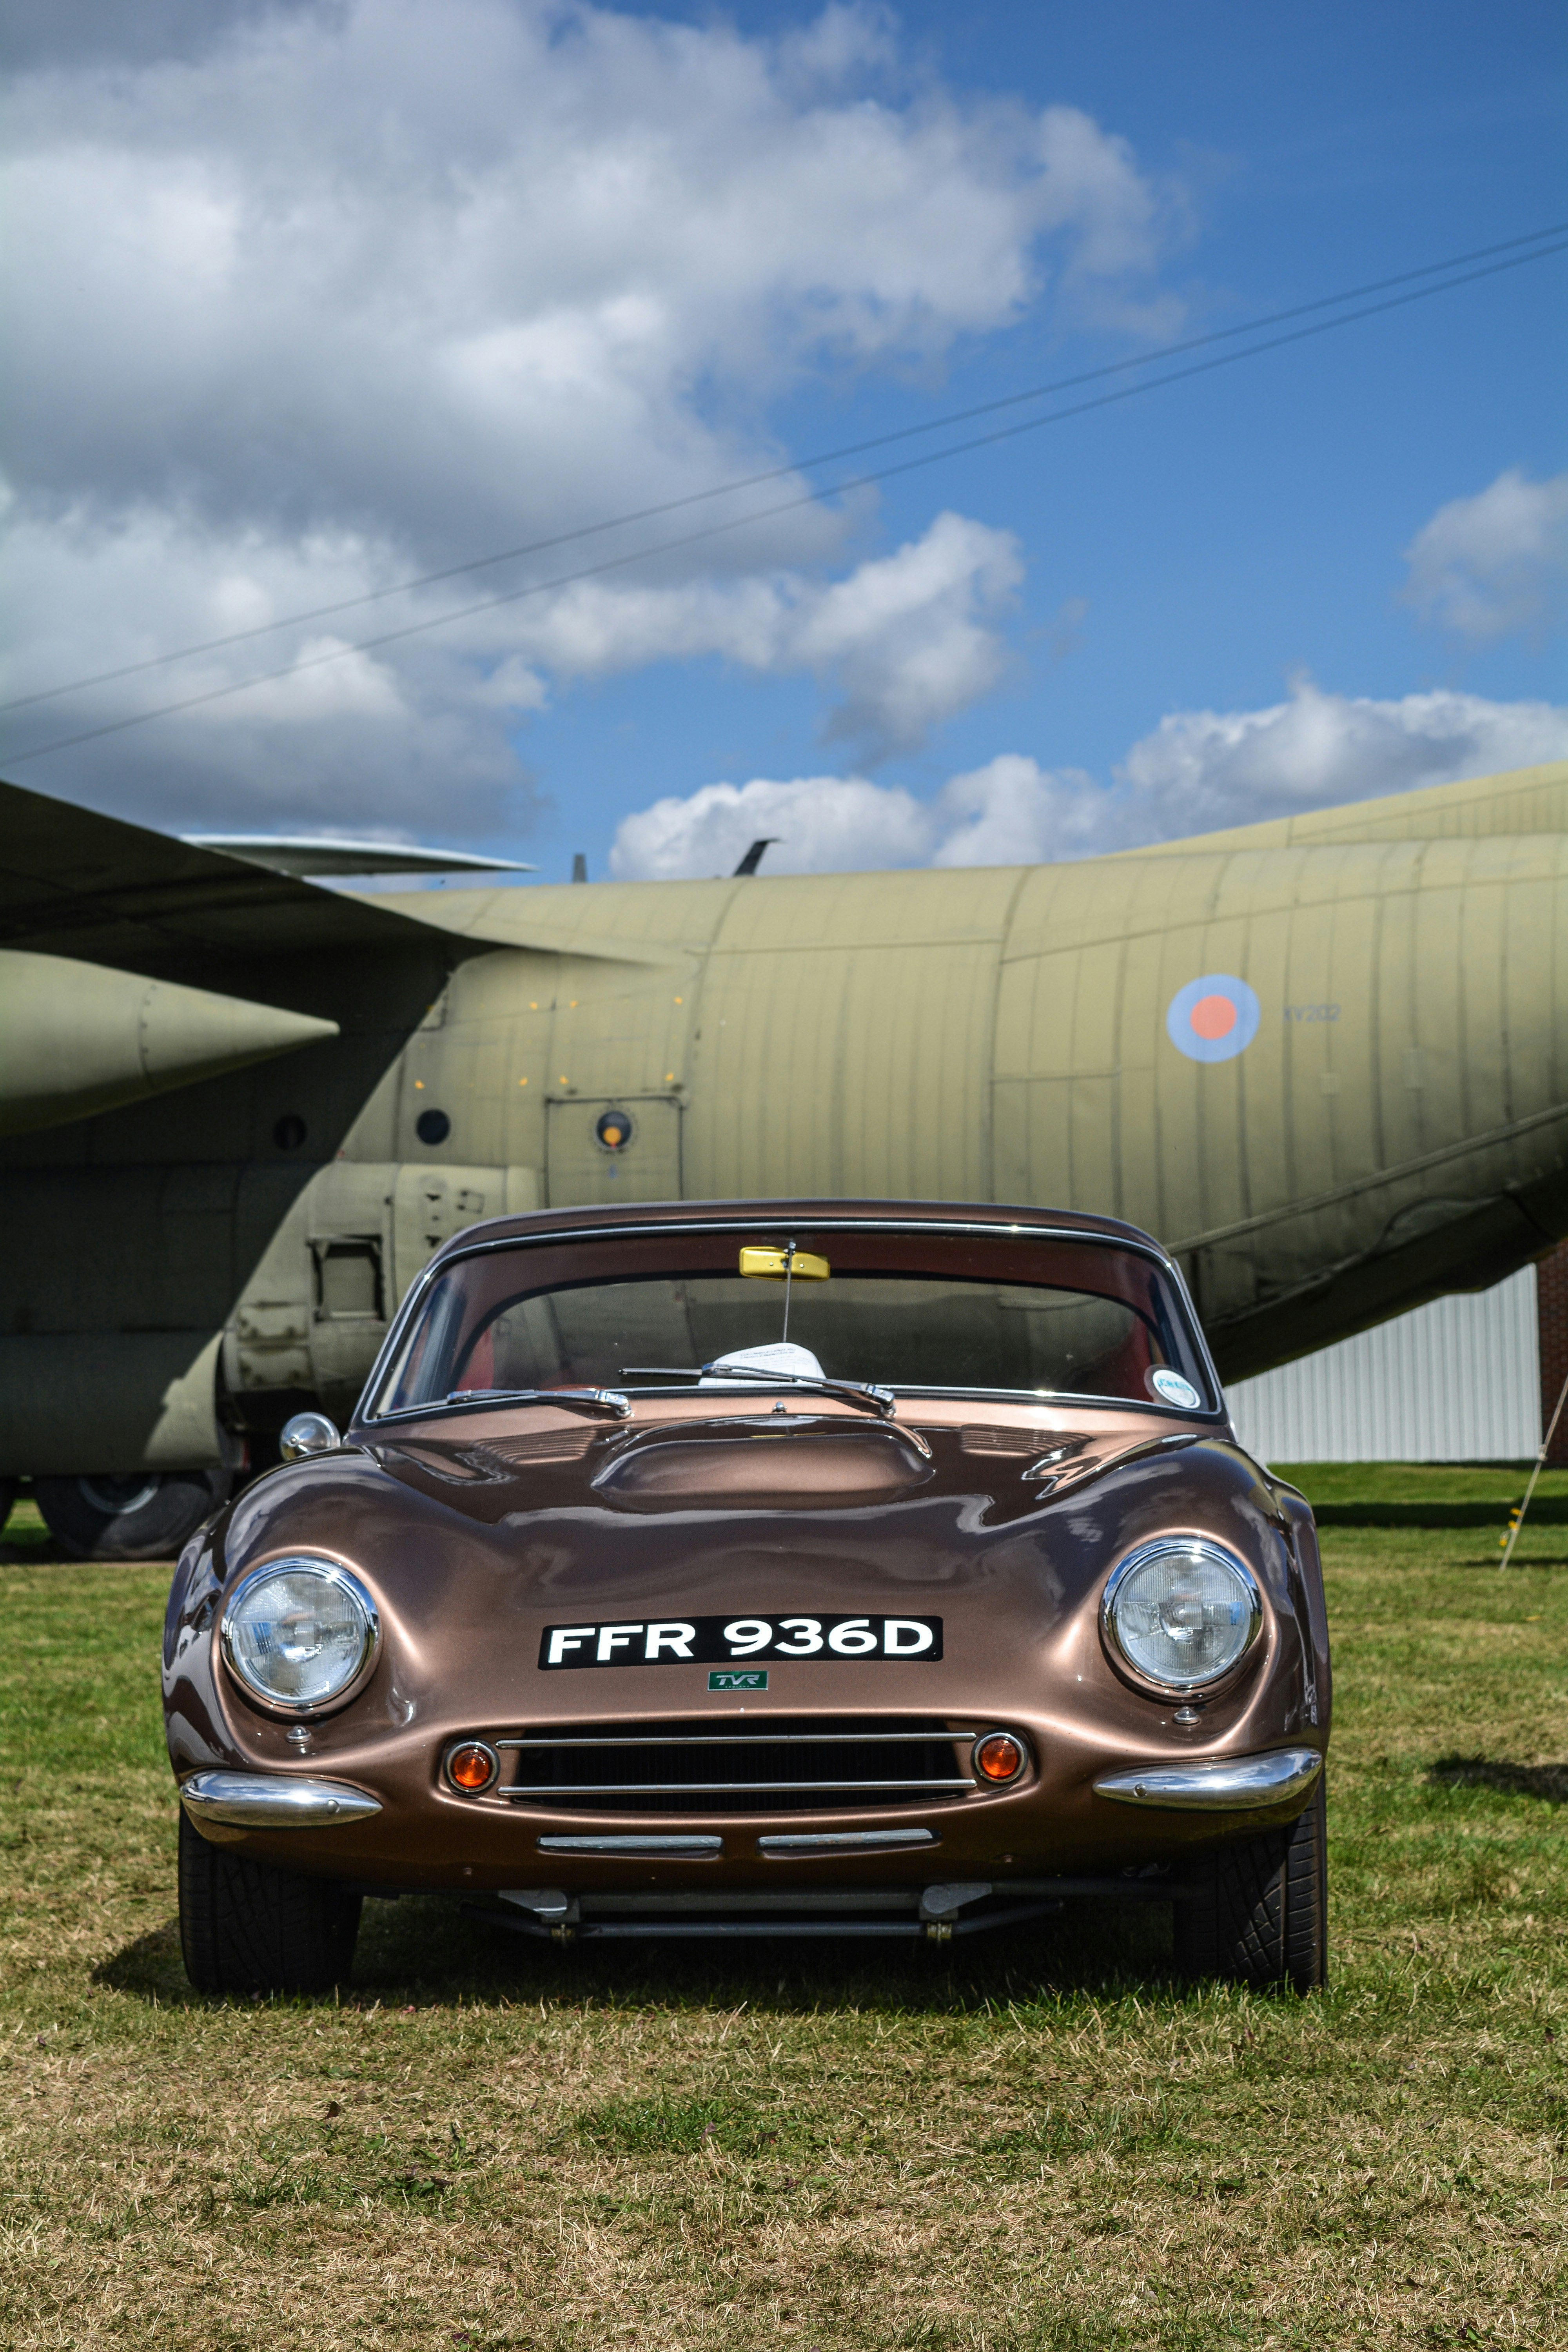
(1031, 2144)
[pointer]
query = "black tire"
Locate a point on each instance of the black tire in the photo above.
(147, 1516)
(1259, 1914)
(246, 1928)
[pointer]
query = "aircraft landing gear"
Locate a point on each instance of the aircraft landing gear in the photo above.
(144, 1516)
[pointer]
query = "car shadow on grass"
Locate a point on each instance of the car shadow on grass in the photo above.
(1548, 1782)
(421, 1952)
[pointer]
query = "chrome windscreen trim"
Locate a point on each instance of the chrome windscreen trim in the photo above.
(273, 1800)
(809, 1842)
(691, 1847)
(745, 1219)
(1225, 1784)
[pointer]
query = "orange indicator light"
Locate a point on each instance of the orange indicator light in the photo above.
(998, 1757)
(471, 1767)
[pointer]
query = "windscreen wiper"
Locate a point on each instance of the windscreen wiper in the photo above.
(596, 1400)
(861, 1393)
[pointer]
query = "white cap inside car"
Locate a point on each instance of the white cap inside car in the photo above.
(780, 1356)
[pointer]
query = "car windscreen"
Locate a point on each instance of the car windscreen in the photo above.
(927, 1310)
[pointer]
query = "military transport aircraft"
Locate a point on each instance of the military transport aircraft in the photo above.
(1325, 1059)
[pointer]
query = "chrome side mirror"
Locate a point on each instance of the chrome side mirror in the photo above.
(307, 1433)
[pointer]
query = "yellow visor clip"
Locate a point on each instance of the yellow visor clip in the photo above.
(773, 1264)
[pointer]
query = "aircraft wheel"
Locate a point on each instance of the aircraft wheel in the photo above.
(1260, 1915)
(248, 1927)
(146, 1516)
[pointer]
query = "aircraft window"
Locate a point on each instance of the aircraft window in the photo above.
(289, 1132)
(432, 1126)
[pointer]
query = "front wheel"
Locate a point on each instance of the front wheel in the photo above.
(248, 1927)
(1258, 1911)
(146, 1516)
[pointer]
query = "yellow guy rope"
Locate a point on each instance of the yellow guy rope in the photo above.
(1516, 1517)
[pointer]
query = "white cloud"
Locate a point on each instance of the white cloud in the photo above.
(318, 297)
(906, 634)
(1201, 769)
(1013, 812)
(359, 743)
(1493, 565)
(902, 642)
(1199, 772)
(823, 824)
(904, 639)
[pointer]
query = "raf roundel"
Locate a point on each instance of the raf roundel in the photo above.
(1213, 1019)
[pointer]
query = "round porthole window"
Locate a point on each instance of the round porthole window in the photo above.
(289, 1132)
(612, 1130)
(432, 1126)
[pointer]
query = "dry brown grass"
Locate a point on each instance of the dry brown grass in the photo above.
(998, 2146)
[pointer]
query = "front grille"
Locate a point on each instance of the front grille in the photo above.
(789, 1765)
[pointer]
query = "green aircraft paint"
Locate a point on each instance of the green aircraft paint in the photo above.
(1325, 1059)
(78, 1039)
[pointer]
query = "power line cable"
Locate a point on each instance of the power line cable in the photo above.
(796, 466)
(787, 506)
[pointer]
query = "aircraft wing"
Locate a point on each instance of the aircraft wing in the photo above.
(74, 883)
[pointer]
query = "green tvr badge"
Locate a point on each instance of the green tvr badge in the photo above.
(743, 1678)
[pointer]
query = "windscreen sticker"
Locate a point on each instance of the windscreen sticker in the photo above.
(709, 1641)
(1175, 1390)
(1213, 1019)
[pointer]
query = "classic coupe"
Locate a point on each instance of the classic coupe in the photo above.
(780, 1567)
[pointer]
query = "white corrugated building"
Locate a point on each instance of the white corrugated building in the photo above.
(1455, 1381)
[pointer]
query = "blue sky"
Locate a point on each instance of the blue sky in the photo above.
(848, 227)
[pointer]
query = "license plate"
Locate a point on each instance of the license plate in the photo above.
(712, 1641)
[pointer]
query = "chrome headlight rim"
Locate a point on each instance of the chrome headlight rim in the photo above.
(1163, 1546)
(330, 1572)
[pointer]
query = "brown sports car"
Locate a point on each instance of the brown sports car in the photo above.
(782, 1567)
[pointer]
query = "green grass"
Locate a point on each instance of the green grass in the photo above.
(1034, 2143)
(1427, 1494)
(1496, 1484)
(24, 1536)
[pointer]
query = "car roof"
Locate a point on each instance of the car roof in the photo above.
(618, 1216)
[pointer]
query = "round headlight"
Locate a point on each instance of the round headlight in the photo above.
(299, 1633)
(1181, 1611)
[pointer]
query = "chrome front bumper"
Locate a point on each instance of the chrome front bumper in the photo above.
(1225, 1784)
(273, 1800)
(268, 1800)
